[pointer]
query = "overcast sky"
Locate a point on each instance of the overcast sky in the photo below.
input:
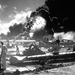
(14, 11)
(8, 7)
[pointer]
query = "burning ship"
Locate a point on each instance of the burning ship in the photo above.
(34, 56)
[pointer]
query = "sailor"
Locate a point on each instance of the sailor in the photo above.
(56, 47)
(73, 47)
(31, 46)
(17, 49)
(57, 41)
(3, 56)
(0, 63)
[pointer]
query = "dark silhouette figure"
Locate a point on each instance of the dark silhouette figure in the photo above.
(3, 55)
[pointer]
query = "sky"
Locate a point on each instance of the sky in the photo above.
(10, 10)
(8, 7)
(60, 16)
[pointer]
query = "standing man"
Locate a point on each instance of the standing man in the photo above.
(3, 55)
(56, 47)
(17, 49)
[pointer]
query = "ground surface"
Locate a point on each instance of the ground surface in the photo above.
(68, 70)
(65, 70)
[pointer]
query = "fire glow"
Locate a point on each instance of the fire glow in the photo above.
(31, 35)
(38, 24)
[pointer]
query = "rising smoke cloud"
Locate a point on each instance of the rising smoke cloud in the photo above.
(16, 19)
(69, 35)
(38, 24)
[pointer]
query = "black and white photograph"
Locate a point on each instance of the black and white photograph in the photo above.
(37, 37)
